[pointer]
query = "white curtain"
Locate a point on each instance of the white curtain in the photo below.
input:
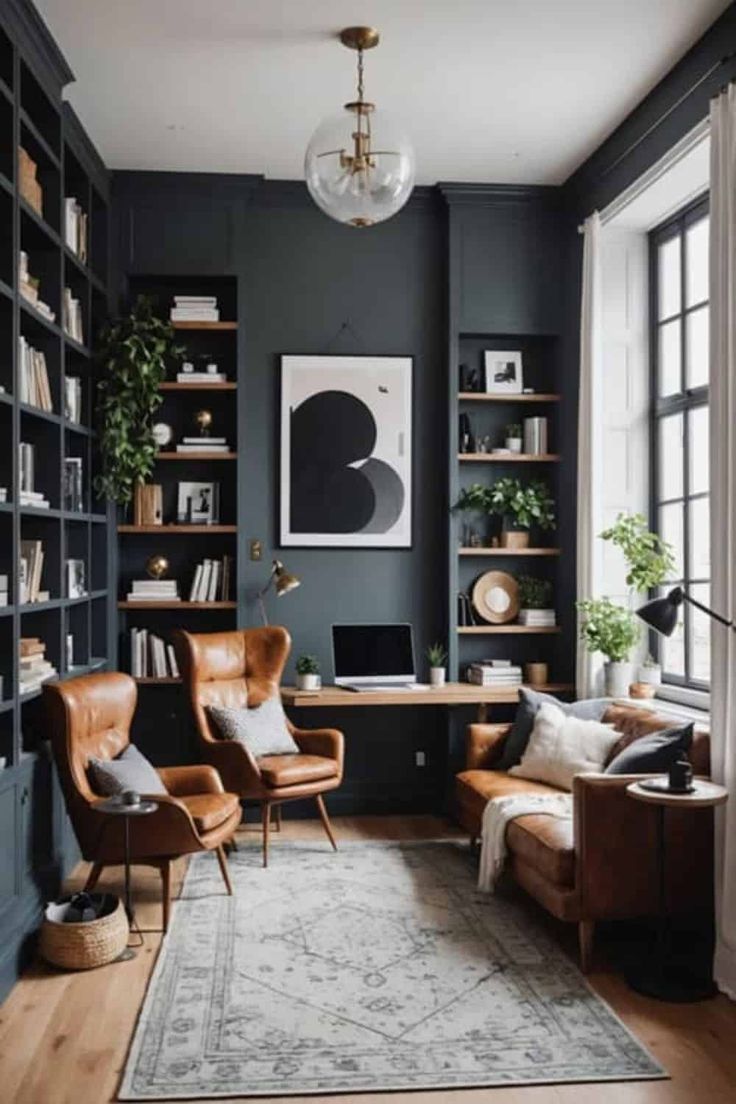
(589, 427)
(723, 516)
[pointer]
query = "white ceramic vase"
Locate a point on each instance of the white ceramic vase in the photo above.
(308, 682)
(618, 675)
(513, 444)
(437, 676)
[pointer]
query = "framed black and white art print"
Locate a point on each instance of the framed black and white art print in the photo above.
(346, 445)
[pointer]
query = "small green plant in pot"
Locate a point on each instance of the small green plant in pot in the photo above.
(535, 599)
(437, 656)
(521, 507)
(307, 673)
(513, 440)
(133, 355)
(613, 631)
(472, 500)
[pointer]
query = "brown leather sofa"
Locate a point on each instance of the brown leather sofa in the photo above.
(603, 864)
(244, 668)
(90, 717)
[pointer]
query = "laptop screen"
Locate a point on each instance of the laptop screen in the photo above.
(373, 651)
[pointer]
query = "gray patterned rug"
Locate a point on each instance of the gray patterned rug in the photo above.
(376, 968)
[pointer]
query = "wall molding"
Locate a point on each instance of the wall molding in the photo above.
(36, 43)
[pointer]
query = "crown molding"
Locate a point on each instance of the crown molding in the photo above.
(84, 150)
(37, 44)
(457, 194)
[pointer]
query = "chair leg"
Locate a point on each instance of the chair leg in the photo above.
(222, 859)
(277, 818)
(93, 877)
(586, 931)
(266, 821)
(166, 891)
(325, 820)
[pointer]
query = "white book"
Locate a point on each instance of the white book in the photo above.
(173, 665)
(204, 584)
(192, 314)
(201, 377)
(202, 448)
(152, 598)
(134, 670)
(194, 590)
(199, 300)
(204, 441)
(214, 581)
(154, 586)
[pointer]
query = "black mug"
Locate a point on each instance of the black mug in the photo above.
(681, 776)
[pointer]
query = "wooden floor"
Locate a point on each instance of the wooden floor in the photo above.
(64, 1037)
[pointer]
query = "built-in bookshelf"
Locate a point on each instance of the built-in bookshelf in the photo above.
(51, 525)
(186, 540)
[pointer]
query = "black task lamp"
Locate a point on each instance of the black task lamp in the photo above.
(661, 613)
(281, 580)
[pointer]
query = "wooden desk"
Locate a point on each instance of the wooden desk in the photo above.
(451, 694)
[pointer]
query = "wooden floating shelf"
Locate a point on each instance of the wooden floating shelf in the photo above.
(479, 630)
(197, 386)
(196, 455)
(150, 681)
(481, 396)
(508, 457)
(509, 551)
(205, 325)
(177, 605)
(174, 530)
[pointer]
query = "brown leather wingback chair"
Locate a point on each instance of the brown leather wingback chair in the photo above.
(90, 717)
(244, 668)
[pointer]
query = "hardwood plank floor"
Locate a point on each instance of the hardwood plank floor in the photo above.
(64, 1037)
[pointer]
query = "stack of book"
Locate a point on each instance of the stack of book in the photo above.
(73, 399)
(154, 590)
(499, 673)
(3, 590)
(203, 444)
(35, 669)
(537, 618)
(33, 377)
(28, 495)
(75, 228)
(150, 656)
(31, 571)
(212, 581)
(195, 308)
(189, 374)
(29, 288)
(71, 313)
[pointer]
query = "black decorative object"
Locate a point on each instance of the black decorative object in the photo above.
(469, 378)
(466, 440)
(681, 776)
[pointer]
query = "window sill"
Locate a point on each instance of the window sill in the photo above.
(681, 705)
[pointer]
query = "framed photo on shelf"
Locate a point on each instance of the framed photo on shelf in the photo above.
(346, 452)
(503, 372)
(76, 581)
(198, 503)
(73, 495)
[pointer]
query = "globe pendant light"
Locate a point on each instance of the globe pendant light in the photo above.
(359, 165)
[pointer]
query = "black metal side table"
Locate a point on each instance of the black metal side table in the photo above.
(116, 807)
(660, 980)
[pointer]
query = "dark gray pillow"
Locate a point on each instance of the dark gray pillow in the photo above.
(262, 729)
(654, 753)
(592, 709)
(130, 771)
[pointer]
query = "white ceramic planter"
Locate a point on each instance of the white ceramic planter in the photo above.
(513, 444)
(618, 677)
(437, 676)
(308, 682)
(650, 674)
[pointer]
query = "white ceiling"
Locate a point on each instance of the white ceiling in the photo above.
(508, 91)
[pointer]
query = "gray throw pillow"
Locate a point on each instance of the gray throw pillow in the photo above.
(592, 709)
(262, 729)
(654, 753)
(130, 771)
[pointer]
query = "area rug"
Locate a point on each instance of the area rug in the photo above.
(377, 968)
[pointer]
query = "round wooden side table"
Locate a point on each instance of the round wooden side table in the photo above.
(660, 979)
(113, 806)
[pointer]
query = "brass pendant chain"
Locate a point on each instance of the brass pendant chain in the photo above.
(360, 76)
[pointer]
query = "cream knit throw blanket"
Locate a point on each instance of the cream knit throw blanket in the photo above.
(497, 814)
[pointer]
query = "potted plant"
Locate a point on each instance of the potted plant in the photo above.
(513, 437)
(307, 673)
(472, 500)
(134, 351)
(520, 507)
(612, 630)
(437, 656)
(535, 598)
(649, 559)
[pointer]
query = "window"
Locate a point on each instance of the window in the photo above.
(680, 449)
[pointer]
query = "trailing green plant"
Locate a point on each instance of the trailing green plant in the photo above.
(608, 628)
(534, 593)
(436, 655)
(513, 430)
(133, 354)
(473, 499)
(649, 559)
(530, 504)
(307, 665)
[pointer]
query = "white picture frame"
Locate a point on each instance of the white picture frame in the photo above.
(503, 372)
(198, 503)
(76, 578)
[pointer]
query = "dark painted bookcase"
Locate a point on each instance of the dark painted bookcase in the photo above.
(38, 845)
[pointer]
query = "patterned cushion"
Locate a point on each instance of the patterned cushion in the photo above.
(262, 730)
(130, 771)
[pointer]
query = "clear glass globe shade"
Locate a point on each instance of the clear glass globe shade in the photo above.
(361, 198)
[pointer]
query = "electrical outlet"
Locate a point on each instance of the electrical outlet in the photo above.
(256, 551)
(420, 758)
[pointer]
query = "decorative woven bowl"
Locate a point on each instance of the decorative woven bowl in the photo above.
(86, 945)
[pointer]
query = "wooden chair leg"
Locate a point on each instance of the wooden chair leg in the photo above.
(166, 891)
(222, 859)
(266, 821)
(93, 877)
(586, 931)
(277, 818)
(325, 820)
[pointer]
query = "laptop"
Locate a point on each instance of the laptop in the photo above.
(373, 657)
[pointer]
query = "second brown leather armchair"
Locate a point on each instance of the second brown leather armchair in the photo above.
(244, 668)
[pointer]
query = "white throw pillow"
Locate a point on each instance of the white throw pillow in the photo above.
(561, 746)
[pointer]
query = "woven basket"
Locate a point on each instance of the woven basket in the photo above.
(86, 945)
(28, 185)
